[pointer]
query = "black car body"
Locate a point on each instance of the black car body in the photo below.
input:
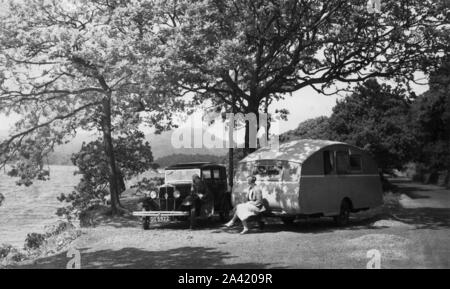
(175, 198)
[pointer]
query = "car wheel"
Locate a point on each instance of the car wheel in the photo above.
(288, 220)
(146, 223)
(192, 217)
(344, 215)
(225, 212)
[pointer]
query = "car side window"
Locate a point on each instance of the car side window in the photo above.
(216, 174)
(328, 162)
(342, 162)
(206, 174)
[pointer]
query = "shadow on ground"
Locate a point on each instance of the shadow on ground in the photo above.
(421, 218)
(424, 218)
(179, 258)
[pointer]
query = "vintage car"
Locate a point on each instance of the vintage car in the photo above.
(306, 178)
(177, 199)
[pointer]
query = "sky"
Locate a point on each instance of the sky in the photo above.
(302, 105)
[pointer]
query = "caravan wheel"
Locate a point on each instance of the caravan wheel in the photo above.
(344, 215)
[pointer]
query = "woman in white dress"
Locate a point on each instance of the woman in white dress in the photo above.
(252, 207)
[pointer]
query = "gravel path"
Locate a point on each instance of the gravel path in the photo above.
(408, 237)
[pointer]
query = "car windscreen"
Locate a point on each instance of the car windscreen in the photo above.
(184, 175)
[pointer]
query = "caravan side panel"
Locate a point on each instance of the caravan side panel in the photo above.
(322, 192)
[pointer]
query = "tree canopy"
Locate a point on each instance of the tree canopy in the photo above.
(376, 117)
(432, 114)
(70, 65)
(246, 54)
(315, 128)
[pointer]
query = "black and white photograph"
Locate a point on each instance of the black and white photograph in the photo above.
(242, 135)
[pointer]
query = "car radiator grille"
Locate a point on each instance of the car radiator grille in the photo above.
(166, 200)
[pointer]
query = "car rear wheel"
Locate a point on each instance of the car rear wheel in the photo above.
(344, 215)
(225, 211)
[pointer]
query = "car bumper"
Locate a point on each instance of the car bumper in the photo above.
(160, 213)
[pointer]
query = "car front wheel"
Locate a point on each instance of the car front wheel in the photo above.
(146, 223)
(192, 217)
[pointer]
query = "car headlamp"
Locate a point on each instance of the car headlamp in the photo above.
(176, 194)
(153, 195)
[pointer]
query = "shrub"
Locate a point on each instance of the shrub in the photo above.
(34, 241)
(17, 256)
(57, 228)
(5, 249)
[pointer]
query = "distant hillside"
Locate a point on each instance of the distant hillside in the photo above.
(186, 158)
(161, 146)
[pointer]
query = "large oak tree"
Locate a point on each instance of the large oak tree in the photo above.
(246, 54)
(70, 65)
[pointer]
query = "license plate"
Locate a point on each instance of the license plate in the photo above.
(161, 219)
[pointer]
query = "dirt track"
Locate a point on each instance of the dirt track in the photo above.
(414, 236)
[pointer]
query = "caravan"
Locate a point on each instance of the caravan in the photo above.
(312, 178)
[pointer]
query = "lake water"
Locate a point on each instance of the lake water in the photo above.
(29, 209)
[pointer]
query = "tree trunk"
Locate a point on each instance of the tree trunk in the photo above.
(231, 149)
(230, 167)
(448, 179)
(109, 149)
(252, 108)
(121, 182)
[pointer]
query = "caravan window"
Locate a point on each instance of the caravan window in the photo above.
(244, 171)
(328, 162)
(342, 162)
(291, 172)
(355, 163)
(268, 172)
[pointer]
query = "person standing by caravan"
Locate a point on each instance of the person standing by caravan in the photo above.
(254, 205)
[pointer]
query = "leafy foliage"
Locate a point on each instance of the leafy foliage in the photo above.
(5, 249)
(376, 117)
(34, 241)
(69, 65)
(432, 111)
(133, 156)
(149, 184)
(246, 54)
(316, 128)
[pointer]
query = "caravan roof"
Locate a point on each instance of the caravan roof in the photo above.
(294, 151)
